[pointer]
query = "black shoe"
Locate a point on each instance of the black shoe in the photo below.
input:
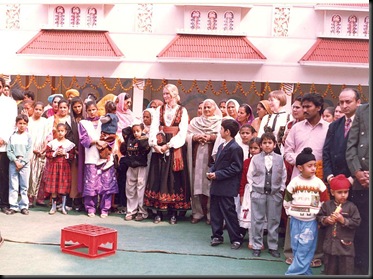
(236, 245)
(10, 212)
(157, 219)
(216, 241)
(25, 211)
(256, 253)
(274, 253)
(173, 220)
(4, 209)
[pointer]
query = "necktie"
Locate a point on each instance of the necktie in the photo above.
(268, 161)
(347, 125)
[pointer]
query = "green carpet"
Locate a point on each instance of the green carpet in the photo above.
(144, 248)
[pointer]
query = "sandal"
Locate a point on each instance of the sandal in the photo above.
(289, 260)
(316, 263)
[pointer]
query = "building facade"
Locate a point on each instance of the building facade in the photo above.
(220, 50)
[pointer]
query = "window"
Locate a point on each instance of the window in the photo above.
(212, 20)
(75, 16)
(336, 24)
(228, 21)
(195, 20)
(91, 17)
(352, 25)
(59, 16)
(366, 26)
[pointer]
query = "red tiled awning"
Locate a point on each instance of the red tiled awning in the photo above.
(341, 51)
(214, 47)
(73, 44)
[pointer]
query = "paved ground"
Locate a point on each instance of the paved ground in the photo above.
(32, 247)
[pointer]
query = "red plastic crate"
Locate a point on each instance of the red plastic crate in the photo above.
(91, 237)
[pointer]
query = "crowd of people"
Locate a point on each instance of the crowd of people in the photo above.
(305, 171)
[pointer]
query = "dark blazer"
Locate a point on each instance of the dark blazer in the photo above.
(228, 170)
(334, 150)
(357, 151)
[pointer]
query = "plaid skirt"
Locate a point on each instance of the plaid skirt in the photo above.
(57, 176)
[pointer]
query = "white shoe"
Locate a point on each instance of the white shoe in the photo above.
(68, 208)
(103, 215)
(91, 214)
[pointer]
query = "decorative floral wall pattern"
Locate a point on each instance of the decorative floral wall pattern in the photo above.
(281, 21)
(12, 16)
(144, 18)
(201, 87)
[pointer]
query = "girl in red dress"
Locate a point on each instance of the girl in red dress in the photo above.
(57, 174)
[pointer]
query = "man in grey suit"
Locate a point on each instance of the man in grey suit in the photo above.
(357, 157)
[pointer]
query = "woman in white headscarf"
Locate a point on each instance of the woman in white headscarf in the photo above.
(202, 133)
(232, 108)
(168, 185)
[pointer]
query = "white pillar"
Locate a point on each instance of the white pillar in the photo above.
(138, 97)
(288, 88)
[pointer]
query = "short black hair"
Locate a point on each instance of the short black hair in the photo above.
(126, 131)
(139, 124)
(29, 94)
(316, 99)
(251, 128)
(231, 125)
(110, 107)
(269, 136)
(22, 117)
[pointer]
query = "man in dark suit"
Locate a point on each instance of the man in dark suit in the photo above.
(334, 159)
(357, 157)
(225, 176)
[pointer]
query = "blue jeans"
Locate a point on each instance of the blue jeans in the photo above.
(18, 181)
(303, 236)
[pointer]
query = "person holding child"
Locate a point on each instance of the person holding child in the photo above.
(97, 182)
(266, 177)
(109, 129)
(303, 199)
(341, 218)
(19, 151)
(225, 175)
(136, 148)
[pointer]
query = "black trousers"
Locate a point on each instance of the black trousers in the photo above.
(361, 199)
(121, 198)
(223, 208)
(4, 180)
